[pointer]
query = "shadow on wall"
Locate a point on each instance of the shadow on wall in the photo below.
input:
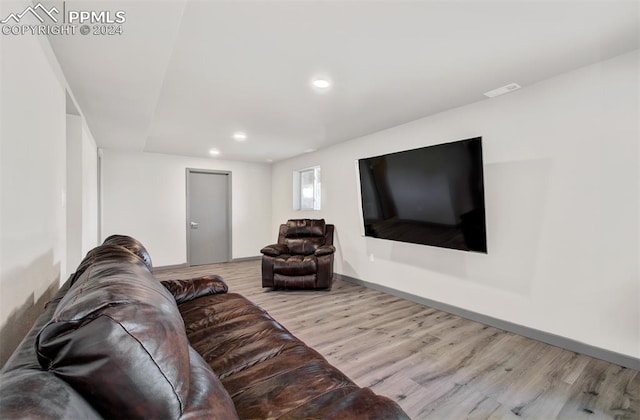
(23, 317)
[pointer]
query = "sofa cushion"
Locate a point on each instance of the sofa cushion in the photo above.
(269, 372)
(298, 228)
(118, 339)
(34, 394)
(208, 398)
(345, 403)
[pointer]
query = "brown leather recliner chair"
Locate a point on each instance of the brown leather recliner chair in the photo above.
(302, 258)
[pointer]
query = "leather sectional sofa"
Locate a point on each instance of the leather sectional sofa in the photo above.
(117, 343)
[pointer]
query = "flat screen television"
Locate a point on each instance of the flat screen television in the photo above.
(431, 196)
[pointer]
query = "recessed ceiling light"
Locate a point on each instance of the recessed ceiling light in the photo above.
(310, 150)
(239, 136)
(321, 83)
(214, 152)
(502, 90)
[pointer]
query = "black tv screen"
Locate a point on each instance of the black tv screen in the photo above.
(431, 196)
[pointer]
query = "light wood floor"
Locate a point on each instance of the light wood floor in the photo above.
(437, 365)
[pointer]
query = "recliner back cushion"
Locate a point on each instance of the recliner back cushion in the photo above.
(304, 246)
(117, 338)
(300, 228)
(304, 236)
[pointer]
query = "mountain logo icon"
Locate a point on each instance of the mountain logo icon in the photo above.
(35, 11)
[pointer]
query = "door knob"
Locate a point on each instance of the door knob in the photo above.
(193, 225)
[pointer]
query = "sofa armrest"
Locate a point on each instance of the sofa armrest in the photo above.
(275, 249)
(325, 250)
(189, 289)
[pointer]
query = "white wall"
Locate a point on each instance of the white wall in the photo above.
(144, 195)
(32, 176)
(74, 192)
(561, 188)
(82, 191)
(89, 191)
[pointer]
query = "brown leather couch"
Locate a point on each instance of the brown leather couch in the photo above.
(302, 258)
(117, 343)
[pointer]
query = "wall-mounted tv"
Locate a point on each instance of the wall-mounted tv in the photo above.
(431, 196)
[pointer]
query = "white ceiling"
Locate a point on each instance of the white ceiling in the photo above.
(186, 74)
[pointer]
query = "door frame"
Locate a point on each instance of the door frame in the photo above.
(188, 209)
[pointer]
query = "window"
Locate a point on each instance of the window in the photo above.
(306, 189)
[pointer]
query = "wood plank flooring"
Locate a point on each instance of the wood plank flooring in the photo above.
(434, 364)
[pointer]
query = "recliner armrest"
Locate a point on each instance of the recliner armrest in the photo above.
(325, 250)
(275, 249)
(189, 289)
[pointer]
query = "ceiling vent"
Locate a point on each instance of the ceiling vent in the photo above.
(502, 90)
